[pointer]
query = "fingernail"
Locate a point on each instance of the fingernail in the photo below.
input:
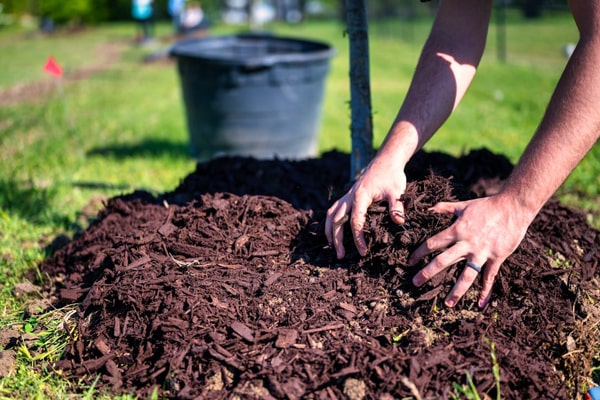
(398, 214)
(417, 281)
(411, 261)
(482, 303)
(450, 302)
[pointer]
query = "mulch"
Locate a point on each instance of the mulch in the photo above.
(226, 288)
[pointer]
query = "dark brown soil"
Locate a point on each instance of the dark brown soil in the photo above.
(226, 288)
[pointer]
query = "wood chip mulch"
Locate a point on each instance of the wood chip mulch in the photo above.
(226, 288)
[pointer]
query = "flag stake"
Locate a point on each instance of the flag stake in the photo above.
(52, 67)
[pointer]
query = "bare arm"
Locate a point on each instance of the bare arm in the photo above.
(489, 229)
(445, 70)
(571, 124)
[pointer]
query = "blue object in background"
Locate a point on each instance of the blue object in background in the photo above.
(593, 394)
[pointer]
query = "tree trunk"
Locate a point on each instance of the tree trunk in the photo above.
(360, 91)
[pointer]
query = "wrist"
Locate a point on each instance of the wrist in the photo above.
(400, 144)
(525, 202)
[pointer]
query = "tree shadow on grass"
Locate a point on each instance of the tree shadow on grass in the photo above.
(23, 199)
(27, 201)
(144, 148)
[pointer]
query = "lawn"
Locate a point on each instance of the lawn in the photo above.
(114, 124)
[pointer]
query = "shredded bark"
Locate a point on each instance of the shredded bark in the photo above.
(227, 288)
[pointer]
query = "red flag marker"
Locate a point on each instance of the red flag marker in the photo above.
(53, 68)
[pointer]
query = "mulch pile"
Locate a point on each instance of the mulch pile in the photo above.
(226, 288)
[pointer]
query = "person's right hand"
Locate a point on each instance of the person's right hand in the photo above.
(382, 180)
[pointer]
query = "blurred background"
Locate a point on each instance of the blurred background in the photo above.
(52, 13)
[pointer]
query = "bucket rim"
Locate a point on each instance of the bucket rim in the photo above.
(319, 50)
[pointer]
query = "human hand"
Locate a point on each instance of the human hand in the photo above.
(486, 232)
(382, 180)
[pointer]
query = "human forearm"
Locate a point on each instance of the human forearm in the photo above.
(570, 127)
(446, 68)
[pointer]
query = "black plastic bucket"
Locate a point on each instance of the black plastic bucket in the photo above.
(253, 95)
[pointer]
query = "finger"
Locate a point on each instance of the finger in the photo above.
(338, 237)
(357, 221)
(439, 241)
(396, 209)
(489, 277)
(465, 281)
(334, 227)
(329, 222)
(332, 217)
(445, 207)
(440, 263)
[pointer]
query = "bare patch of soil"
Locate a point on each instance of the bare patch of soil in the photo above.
(226, 288)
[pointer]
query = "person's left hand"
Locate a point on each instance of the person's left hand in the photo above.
(485, 233)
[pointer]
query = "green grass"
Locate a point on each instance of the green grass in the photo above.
(122, 128)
